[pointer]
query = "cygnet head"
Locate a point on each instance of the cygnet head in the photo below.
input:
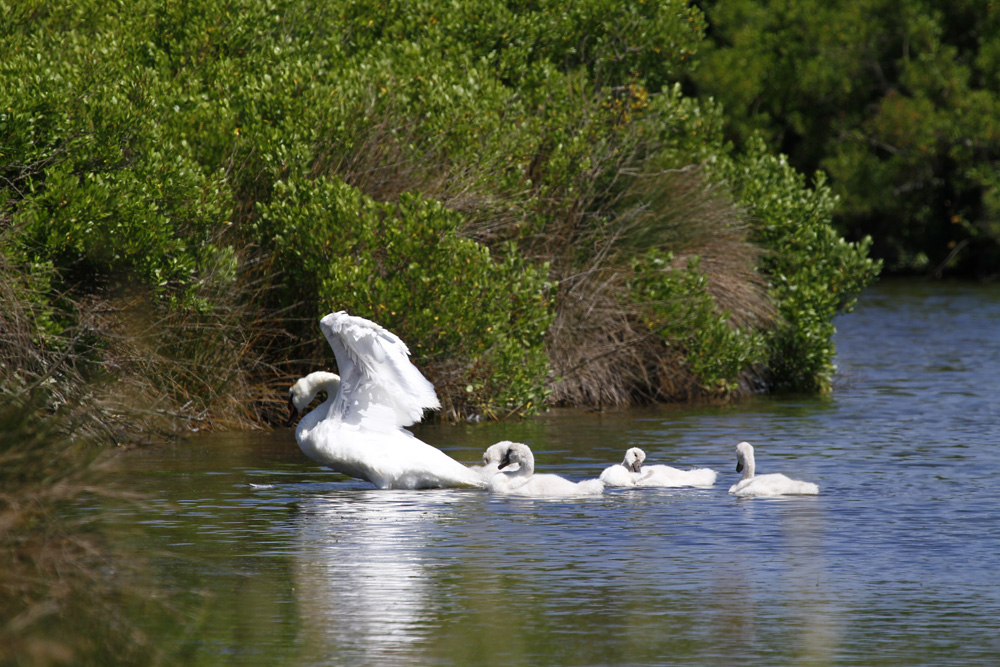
(302, 393)
(633, 459)
(518, 453)
(495, 453)
(744, 458)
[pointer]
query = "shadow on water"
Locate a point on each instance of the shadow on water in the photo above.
(270, 560)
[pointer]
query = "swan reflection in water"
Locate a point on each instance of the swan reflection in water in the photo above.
(780, 554)
(362, 574)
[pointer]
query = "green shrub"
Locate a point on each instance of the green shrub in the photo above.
(814, 273)
(470, 318)
(679, 309)
(483, 165)
(98, 185)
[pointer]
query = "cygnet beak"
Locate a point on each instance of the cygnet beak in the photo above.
(505, 461)
(292, 413)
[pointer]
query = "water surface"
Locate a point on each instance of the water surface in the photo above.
(271, 560)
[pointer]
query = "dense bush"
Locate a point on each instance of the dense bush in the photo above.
(522, 193)
(813, 273)
(476, 322)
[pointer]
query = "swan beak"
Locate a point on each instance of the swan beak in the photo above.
(739, 466)
(291, 413)
(636, 467)
(505, 461)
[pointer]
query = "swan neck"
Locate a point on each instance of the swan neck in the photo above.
(526, 465)
(306, 389)
(331, 387)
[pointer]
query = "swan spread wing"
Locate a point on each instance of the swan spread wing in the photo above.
(380, 386)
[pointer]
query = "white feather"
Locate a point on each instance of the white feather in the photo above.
(381, 387)
(632, 472)
(524, 481)
(772, 484)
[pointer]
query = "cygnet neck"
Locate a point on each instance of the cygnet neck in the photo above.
(745, 459)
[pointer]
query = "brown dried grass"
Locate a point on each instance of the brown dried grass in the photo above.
(54, 590)
(599, 345)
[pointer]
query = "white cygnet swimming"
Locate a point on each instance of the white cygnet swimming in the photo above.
(772, 484)
(359, 429)
(524, 481)
(631, 472)
(491, 460)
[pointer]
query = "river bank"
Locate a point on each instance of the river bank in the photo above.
(250, 550)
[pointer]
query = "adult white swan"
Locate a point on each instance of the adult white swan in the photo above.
(631, 472)
(524, 481)
(772, 484)
(358, 430)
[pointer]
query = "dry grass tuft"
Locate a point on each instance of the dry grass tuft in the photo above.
(188, 369)
(62, 586)
(682, 212)
(600, 346)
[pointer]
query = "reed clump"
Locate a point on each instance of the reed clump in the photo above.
(614, 343)
(59, 600)
(62, 584)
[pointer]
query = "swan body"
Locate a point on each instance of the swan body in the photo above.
(631, 472)
(491, 460)
(618, 476)
(359, 429)
(524, 481)
(771, 484)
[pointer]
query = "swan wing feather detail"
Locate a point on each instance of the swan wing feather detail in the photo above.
(381, 386)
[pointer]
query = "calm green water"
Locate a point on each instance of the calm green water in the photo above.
(267, 559)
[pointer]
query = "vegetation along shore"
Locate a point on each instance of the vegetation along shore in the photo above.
(528, 197)
(582, 205)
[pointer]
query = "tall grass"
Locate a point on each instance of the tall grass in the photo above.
(62, 584)
(191, 369)
(82, 377)
(58, 597)
(586, 226)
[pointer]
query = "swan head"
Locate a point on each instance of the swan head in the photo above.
(633, 459)
(495, 453)
(744, 458)
(518, 453)
(302, 393)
